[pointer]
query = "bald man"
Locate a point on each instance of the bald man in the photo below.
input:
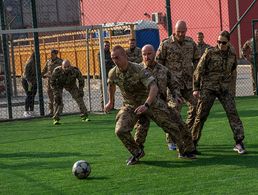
(180, 55)
(139, 91)
(66, 77)
(164, 81)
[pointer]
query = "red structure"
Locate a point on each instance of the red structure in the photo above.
(210, 17)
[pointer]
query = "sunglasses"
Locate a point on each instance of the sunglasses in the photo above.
(222, 42)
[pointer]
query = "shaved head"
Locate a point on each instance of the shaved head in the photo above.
(148, 47)
(148, 55)
(180, 24)
(66, 65)
(180, 30)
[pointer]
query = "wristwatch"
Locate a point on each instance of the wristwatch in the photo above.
(146, 105)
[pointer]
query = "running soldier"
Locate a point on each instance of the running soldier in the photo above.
(139, 91)
(180, 55)
(164, 81)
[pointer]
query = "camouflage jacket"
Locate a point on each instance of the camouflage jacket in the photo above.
(214, 70)
(134, 55)
(248, 52)
(67, 79)
(30, 72)
(133, 83)
(179, 59)
(202, 47)
(164, 80)
(50, 65)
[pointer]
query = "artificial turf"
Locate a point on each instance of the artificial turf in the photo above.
(37, 157)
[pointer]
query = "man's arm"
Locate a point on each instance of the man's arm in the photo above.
(198, 74)
(161, 53)
(153, 91)
(111, 97)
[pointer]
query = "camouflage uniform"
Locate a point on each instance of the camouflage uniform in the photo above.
(164, 80)
(67, 79)
(47, 71)
(181, 59)
(134, 55)
(212, 78)
(133, 85)
(202, 47)
(248, 53)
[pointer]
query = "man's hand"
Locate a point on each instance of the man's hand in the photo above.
(29, 86)
(109, 106)
(196, 94)
(141, 109)
(179, 100)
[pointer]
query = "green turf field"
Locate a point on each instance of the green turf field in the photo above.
(37, 157)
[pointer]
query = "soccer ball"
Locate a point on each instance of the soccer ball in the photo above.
(81, 169)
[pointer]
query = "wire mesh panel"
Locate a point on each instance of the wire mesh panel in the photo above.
(81, 47)
(146, 21)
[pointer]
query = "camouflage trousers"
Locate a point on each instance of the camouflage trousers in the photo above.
(183, 136)
(191, 113)
(159, 113)
(58, 101)
(205, 103)
(50, 94)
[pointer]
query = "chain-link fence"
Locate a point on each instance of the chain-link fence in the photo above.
(147, 21)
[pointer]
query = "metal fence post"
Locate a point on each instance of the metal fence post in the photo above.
(37, 56)
(6, 62)
(169, 24)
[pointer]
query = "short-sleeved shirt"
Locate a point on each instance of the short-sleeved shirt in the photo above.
(133, 83)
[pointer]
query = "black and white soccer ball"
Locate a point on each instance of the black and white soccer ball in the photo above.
(81, 169)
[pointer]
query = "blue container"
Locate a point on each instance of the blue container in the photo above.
(147, 32)
(147, 36)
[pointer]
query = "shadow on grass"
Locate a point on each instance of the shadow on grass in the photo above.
(242, 113)
(96, 178)
(213, 155)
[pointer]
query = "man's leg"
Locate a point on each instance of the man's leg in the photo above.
(125, 121)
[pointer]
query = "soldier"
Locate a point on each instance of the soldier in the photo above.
(109, 64)
(47, 71)
(134, 53)
(29, 84)
(180, 55)
(164, 80)
(65, 76)
(139, 91)
(248, 54)
(212, 78)
(201, 45)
